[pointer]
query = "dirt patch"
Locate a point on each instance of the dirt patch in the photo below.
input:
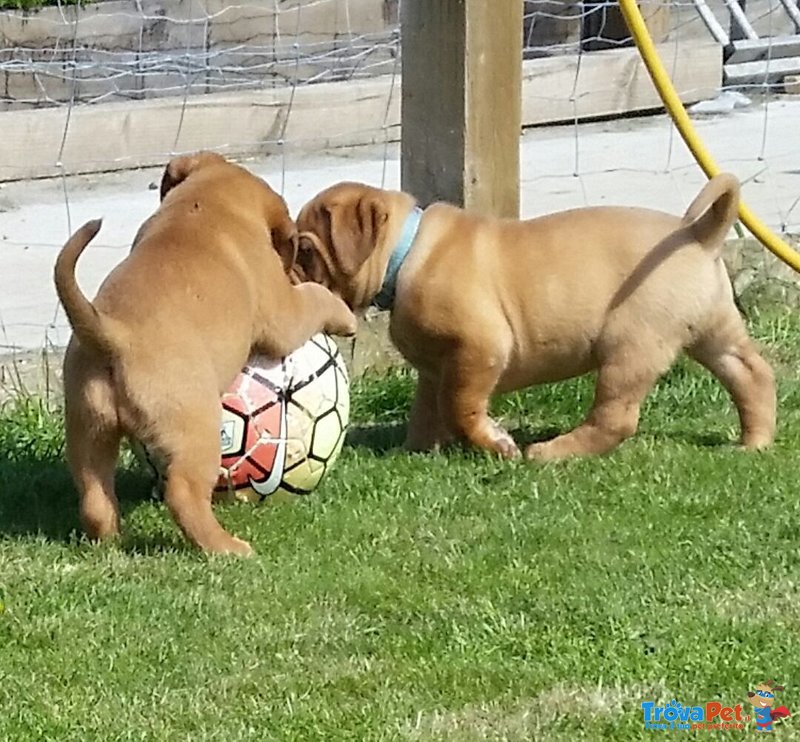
(530, 718)
(751, 604)
(31, 373)
(756, 272)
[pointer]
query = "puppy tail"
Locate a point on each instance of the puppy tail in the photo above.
(88, 324)
(714, 210)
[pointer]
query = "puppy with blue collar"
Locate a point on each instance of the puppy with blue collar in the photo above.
(481, 305)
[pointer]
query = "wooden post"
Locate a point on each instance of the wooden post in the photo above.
(461, 102)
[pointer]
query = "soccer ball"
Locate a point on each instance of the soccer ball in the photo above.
(282, 425)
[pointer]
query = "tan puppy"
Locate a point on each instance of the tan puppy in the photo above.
(170, 328)
(482, 305)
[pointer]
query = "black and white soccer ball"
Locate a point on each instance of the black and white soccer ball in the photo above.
(282, 425)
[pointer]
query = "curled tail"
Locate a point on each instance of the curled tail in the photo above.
(714, 210)
(89, 325)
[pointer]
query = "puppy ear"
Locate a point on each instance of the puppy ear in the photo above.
(282, 228)
(286, 244)
(180, 168)
(312, 264)
(355, 232)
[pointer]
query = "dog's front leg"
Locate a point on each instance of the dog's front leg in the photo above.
(468, 381)
(427, 430)
(297, 315)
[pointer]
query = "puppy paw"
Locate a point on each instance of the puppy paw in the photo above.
(544, 451)
(342, 322)
(241, 548)
(507, 449)
(504, 444)
(232, 546)
(756, 441)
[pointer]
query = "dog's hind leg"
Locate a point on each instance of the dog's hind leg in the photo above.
(92, 439)
(729, 353)
(620, 389)
(189, 438)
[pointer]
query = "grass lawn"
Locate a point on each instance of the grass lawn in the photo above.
(450, 597)
(35, 4)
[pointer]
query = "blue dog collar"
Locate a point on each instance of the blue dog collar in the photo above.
(385, 297)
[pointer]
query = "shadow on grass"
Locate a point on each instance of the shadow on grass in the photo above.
(378, 438)
(382, 438)
(693, 438)
(701, 440)
(38, 498)
(385, 437)
(523, 437)
(37, 495)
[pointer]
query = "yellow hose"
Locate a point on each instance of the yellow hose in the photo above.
(684, 125)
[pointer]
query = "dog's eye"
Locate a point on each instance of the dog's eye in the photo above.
(305, 260)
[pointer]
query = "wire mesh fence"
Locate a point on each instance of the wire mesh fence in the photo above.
(129, 50)
(124, 84)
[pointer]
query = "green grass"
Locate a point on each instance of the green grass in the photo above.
(450, 597)
(36, 4)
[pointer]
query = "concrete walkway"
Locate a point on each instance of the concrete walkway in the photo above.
(634, 162)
